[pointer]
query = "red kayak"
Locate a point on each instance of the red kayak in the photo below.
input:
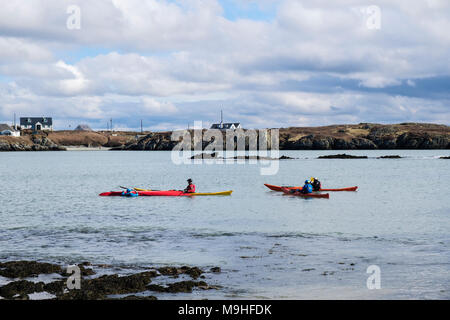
(167, 193)
(305, 195)
(278, 188)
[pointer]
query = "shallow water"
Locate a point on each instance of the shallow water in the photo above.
(269, 245)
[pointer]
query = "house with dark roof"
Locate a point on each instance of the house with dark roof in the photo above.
(36, 123)
(6, 130)
(226, 126)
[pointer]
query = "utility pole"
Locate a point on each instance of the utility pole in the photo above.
(142, 130)
(111, 126)
(15, 121)
(221, 119)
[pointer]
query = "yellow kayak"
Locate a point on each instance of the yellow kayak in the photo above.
(221, 193)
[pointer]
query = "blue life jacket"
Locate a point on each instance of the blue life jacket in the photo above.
(307, 188)
(130, 194)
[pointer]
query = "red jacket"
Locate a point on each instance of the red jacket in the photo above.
(190, 188)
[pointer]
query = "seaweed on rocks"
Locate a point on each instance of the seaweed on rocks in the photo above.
(194, 272)
(98, 288)
(390, 157)
(24, 269)
(341, 156)
(182, 286)
(21, 287)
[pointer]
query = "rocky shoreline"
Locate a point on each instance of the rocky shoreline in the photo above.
(215, 156)
(22, 282)
(33, 143)
(363, 136)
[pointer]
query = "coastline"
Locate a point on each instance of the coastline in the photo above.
(363, 136)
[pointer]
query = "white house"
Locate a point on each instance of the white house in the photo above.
(6, 130)
(36, 124)
(226, 126)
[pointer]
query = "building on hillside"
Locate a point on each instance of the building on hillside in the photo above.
(6, 130)
(226, 126)
(37, 123)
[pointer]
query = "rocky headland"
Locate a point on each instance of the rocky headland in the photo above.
(22, 282)
(363, 136)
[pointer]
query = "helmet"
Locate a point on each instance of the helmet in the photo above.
(189, 180)
(312, 179)
(306, 181)
(128, 190)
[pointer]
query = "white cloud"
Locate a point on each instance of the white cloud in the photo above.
(160, 55)
(151, 107)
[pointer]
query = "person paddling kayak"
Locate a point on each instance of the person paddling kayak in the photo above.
(307, 188)
(190, 188)
(130, 193)
(316, 185)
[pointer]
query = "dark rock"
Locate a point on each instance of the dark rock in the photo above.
(24, 269)
(139, 298)
(21, 287)
(215, 156)
(85, 271)
(390, 157)
(341, 156)
(182, 286)
(444, 158)
(98, 288)
(55, 287)
(215, 269)
(194, 272)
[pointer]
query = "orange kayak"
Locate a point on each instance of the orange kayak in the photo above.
(305, 195)
(278, 188)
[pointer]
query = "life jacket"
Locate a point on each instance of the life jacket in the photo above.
(307, 188)
(130, 193)
(316, 185)
(191, 188)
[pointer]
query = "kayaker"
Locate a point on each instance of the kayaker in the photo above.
(307, 188)
(130, 193)
(190, 188)
(316, 184)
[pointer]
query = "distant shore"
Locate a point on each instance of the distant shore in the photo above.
(363, 136)
(82, 148)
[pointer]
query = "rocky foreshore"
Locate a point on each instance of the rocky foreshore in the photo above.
(34, 143)
(22, 282)
(215, 156)
(364, 136)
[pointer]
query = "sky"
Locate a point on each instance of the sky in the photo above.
(264, 63)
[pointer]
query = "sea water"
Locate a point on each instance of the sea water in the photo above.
(268, 245)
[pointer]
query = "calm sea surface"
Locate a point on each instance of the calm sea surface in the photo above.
(268, 245)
